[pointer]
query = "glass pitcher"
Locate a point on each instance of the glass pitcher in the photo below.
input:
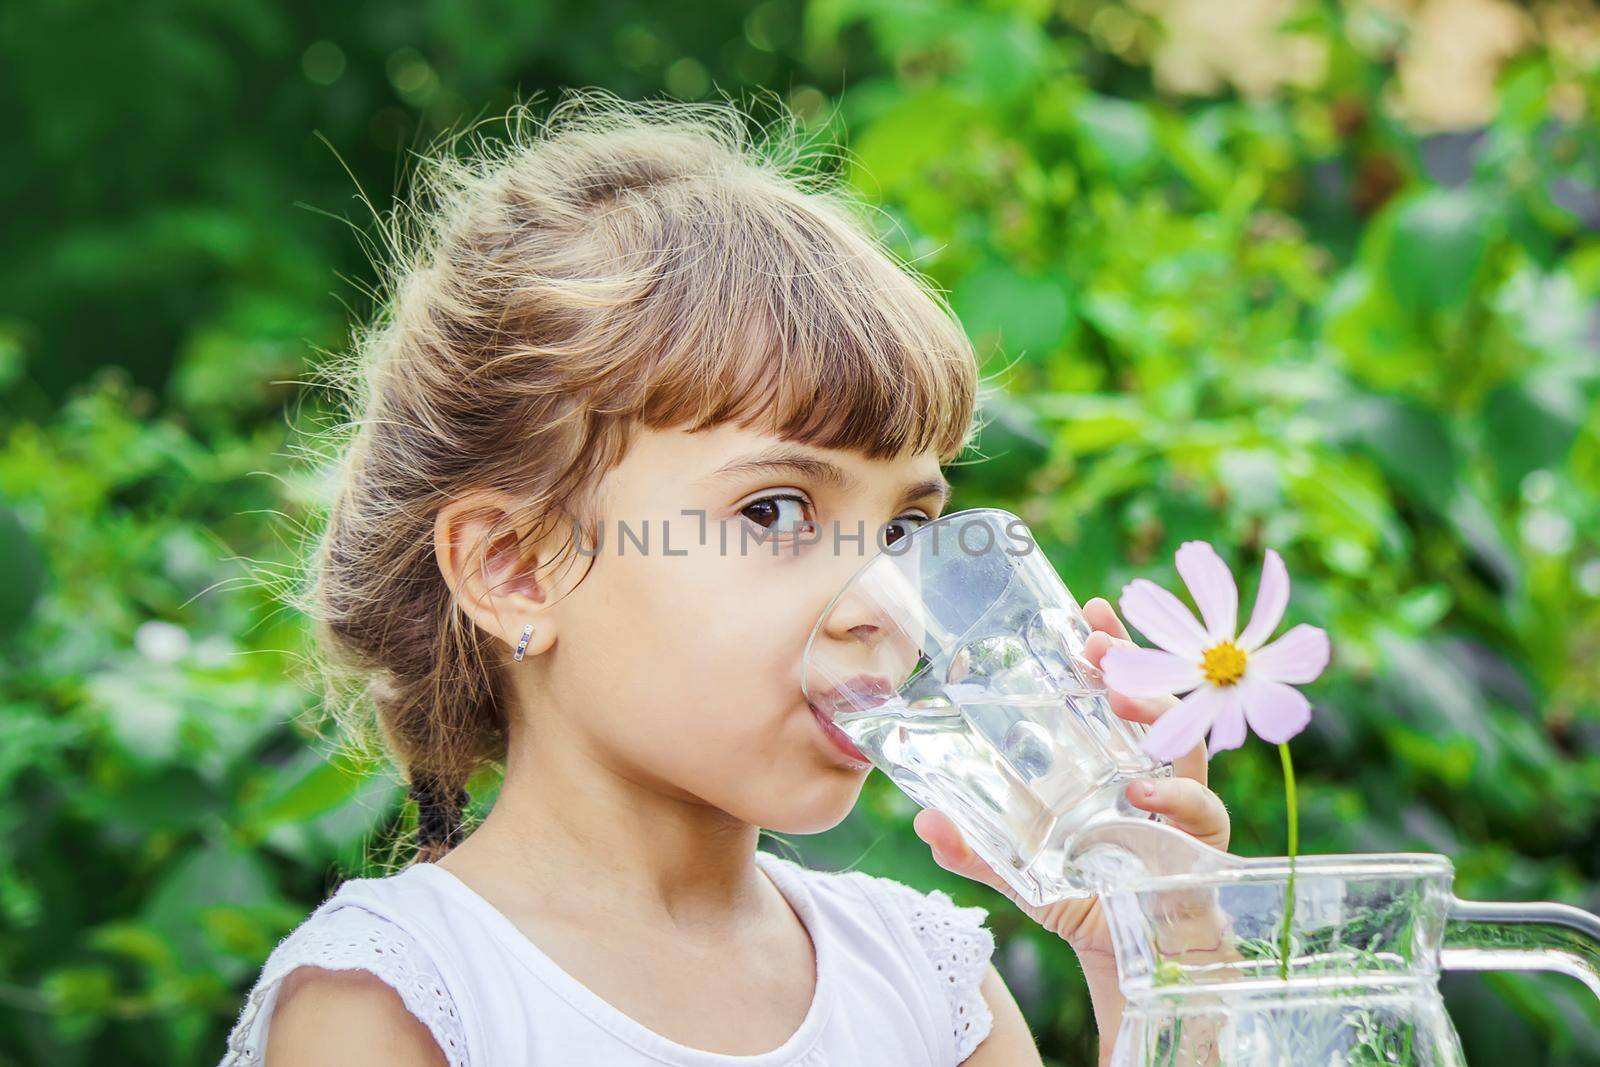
(1198, 936)
(953, 660)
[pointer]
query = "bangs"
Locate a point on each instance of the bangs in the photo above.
(779, 314)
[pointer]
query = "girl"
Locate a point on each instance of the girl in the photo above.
(613, 349)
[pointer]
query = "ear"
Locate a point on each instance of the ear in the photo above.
(497, 570)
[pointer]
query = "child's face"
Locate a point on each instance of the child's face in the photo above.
(678, 663)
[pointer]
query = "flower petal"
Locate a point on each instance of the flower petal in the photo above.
(1276, 711)
(1271, 598)
(1148, 672)
(1181, 728)
(1213, 588)
(1296, 657)
(1162, 618)
(1228, 731)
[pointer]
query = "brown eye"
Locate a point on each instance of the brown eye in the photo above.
(770, 514)
(906, 524)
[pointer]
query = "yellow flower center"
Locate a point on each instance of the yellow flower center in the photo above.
(1224, 664)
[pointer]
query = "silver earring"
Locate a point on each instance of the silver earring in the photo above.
(522, 644)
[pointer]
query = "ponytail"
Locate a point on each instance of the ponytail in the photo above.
(439, 816)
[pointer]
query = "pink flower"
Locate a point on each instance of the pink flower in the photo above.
(1234, 680)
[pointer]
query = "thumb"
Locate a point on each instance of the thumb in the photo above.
(938, 832)
(951, 851)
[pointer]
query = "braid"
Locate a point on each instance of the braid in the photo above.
(438, 815)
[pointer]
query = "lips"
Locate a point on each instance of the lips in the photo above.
(853, 694)
(840, 741)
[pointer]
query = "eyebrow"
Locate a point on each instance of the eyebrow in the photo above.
(780, 459)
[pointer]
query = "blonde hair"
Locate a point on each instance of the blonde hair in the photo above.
(615, 265)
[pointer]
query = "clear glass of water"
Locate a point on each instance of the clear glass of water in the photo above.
(953, 659)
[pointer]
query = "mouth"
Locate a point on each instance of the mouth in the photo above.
(854, 694)
(845, 751)
(859, 693)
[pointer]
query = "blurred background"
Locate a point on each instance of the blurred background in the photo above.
(1321, 276)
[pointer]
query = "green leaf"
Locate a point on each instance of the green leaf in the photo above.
(1013, 444)
(311, 786)
(218, 873)
(1427, 690)
(1025, 313)
(1421, 608)
(1343, 501)
(170, 799)
(1436, 245)
(1476, 526)
(21, 574)
(145, 717)
(1412, 444)
(1118, 133)
(1532, 424)
(1092, 422)
(80, 990)
(1378, 340)
(1005, 53)
(135, 941)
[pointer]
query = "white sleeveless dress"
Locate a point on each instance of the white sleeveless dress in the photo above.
(898, 972)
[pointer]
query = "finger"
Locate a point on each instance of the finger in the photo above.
(951, 851)
(1102, 616)
(1063, 917)
(1146, 710)
(1194, 765)
(1097, 645)
(1135, 709)
(1189, 805)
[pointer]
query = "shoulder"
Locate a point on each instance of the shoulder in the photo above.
(950, 939)
(350, 1018)
(357, 952)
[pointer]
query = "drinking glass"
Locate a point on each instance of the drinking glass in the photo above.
(953, 659)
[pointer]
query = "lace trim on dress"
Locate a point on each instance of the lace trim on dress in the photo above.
(959, 946)
(342, 938)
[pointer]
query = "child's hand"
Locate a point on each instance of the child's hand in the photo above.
(1184, 799)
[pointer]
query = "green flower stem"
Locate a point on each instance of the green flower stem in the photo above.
(1294, 847)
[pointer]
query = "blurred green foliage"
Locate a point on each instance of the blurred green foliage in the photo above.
(1286, 320)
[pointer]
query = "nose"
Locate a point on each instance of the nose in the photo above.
(874, 627)
(857, 617)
